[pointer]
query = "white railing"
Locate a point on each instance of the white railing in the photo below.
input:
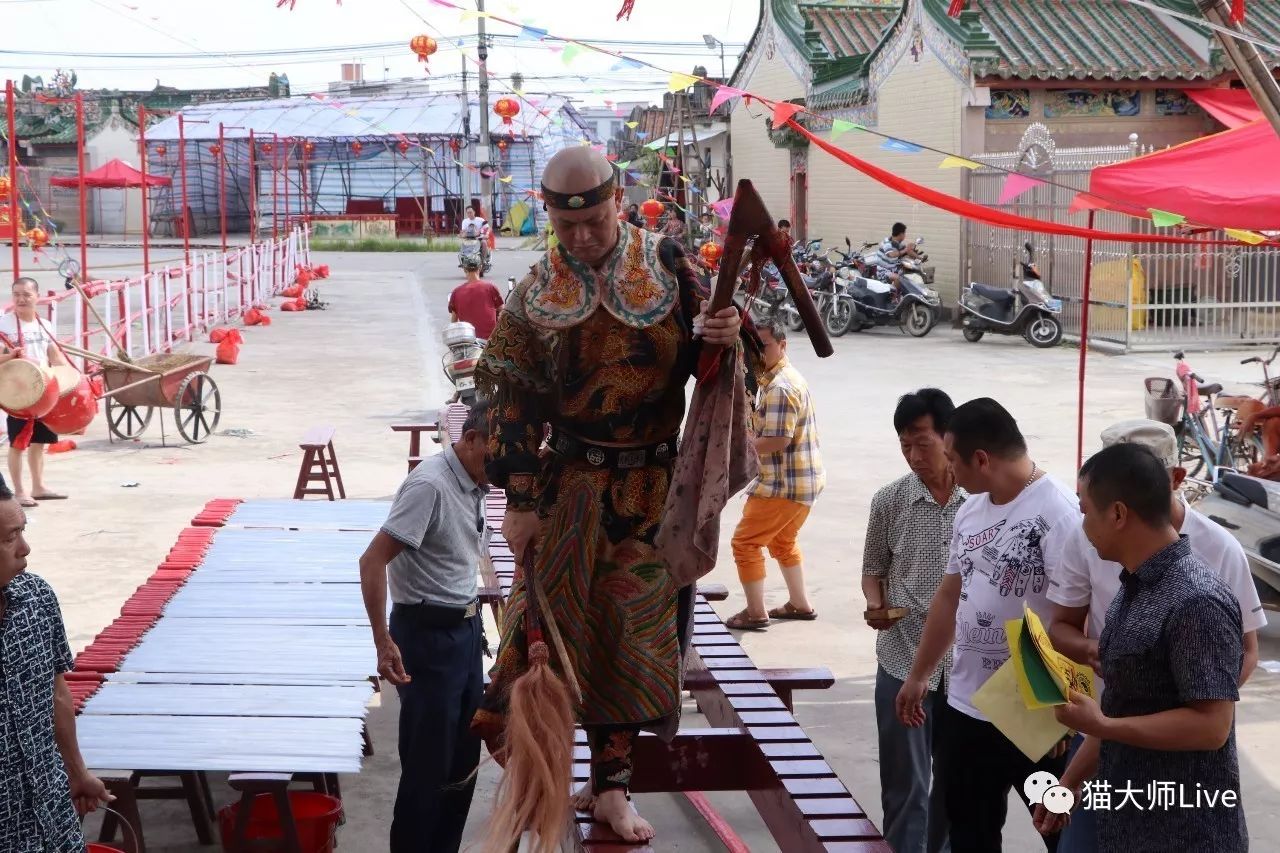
(156, 312)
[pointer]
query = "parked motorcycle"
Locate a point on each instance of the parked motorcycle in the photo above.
(1027, 309)
(459, 362)
(864, 301)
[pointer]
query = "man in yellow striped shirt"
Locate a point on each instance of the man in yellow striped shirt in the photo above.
(791, 478)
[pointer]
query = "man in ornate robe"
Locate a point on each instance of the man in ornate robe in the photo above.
(599, 342)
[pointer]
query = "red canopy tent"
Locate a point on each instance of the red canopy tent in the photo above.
(119, 175)
(116, 174)
(1232, 107)
(1227, 180)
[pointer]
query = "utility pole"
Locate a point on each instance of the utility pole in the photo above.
(486, 175)
(464, 175)
(1244, 55)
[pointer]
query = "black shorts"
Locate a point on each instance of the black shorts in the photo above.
(42, 435)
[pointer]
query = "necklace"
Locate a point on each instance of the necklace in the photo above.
(1035, 471)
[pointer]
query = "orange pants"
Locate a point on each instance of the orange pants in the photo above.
(767, 522)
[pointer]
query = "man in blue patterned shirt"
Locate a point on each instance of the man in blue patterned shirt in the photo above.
(1163, 742)
(43, 779)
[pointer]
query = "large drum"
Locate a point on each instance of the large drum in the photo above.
(27, 390)
(77, 405)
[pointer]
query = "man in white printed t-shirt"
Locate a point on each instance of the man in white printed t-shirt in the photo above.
(1003, 554)
(1085, 585)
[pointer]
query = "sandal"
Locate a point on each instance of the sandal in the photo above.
(743, 621)
(789, 611)
(27, 503)
(50, 496)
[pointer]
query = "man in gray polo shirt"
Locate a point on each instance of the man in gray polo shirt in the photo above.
(428, 552)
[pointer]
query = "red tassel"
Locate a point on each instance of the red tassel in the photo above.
(956, 7)
(1237, 11)
(625, 11)
(23, 441)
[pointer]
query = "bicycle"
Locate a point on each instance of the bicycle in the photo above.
(1204, 444)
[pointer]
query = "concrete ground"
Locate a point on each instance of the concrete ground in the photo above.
(373, 359)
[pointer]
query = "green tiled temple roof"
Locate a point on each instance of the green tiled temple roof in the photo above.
(1090, 39)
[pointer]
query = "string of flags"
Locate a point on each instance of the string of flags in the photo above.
(1015, 186)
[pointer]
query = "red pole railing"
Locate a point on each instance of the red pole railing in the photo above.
(185, 219)
(222, 186)
(306, 191)
(84, 205)
(146, 208)
(288, 143)
(1084, 343)
(253, 190)
(15, 214)
(275, 185)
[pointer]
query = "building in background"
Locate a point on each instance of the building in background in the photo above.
(1081, 77)
(46, 130)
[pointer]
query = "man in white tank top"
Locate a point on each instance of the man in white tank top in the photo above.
(24, 335)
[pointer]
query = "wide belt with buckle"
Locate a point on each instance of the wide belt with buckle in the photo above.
(575, 449)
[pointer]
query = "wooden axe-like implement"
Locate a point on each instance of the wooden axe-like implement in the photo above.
(749, 221)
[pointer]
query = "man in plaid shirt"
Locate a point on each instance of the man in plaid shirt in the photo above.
(791, 478)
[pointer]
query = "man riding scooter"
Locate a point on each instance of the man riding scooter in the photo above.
(889, 257)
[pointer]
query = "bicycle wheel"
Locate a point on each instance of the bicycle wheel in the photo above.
(1190, 452)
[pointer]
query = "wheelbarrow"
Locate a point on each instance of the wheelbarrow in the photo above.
(134, 390)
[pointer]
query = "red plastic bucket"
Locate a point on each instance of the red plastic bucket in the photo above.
(317, 817)
(101, 848)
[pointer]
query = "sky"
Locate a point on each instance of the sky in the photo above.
(42, 35)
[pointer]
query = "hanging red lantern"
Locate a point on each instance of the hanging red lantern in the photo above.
(308, 147)
(423, 46)
(38, 237)
(215, 150)
(455, 146)
(711, 253)
(502, 145)
(403, 146)
(161, 150)
(357, 147)
(508, 108)
(651, 210)
(267, 148)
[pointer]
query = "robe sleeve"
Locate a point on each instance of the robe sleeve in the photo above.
(515, 375)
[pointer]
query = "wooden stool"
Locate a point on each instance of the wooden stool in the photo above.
(192, 786)
(250, 785)
(319, 465)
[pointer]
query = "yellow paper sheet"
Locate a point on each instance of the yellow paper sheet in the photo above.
(1013, 629)
(1069, 674)
(1035, 732)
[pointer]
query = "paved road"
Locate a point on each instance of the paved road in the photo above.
(372, 359)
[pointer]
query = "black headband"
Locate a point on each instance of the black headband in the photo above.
(579, 201)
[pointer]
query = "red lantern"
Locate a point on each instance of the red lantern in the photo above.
(161, 150)
(711, 253)
(502, 145)
(215, 150)
(455, 146)
(308, 147)
(403, 146)
(508, 108)
(423, 46)
(651, 210)
(38, 237)
(356, 148)
(267, 148)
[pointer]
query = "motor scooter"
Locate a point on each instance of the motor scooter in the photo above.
(1027, 309)
(864, 301)
(459, 362)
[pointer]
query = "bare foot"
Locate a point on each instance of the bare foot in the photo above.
(613, 808)
(583, 799)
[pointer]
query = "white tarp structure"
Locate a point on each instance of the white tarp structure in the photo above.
(337, 177)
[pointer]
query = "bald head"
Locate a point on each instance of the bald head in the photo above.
(576, 170)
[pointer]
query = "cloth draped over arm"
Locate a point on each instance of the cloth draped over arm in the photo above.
(717, 460)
